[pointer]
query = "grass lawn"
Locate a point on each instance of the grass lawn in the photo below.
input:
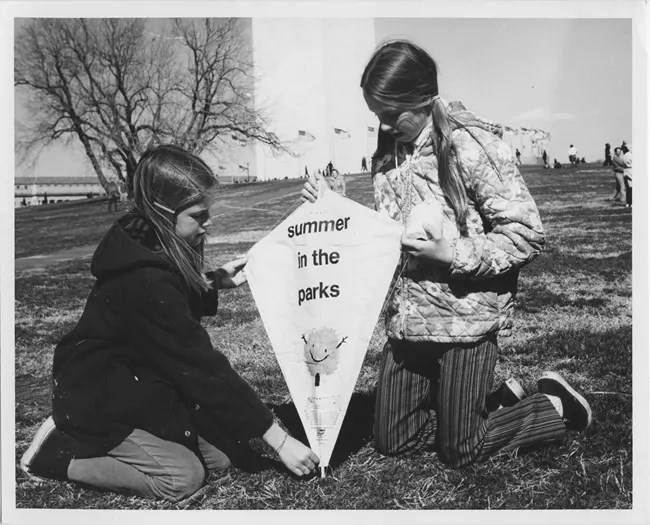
(573, 315)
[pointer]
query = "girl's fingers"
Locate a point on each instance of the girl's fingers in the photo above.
(312, 191)
(236, 265)
(433, 230)
(301, 470)
(410, 245)
(309, 195)
(240, 279)
(239, 263)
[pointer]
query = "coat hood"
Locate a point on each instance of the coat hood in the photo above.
(130, 243)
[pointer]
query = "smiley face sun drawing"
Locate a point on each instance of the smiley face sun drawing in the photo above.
(322, 351)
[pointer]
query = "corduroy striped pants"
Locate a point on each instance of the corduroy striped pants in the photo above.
(432, 396)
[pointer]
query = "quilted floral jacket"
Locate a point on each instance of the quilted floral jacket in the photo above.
(474, 297)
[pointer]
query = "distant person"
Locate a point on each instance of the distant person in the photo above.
(45, 201)
(23, 202)
(608, 155)
(627, 177)
(306, 172)
(330, 167)
(113, 194)
(619, 164)
(545, 159)
(124, 192)
(573, 155)
(142, 402)
(556, 165)
(582, 160)
(518, 155)
(624, 147)
(364, 165)
(336, 182)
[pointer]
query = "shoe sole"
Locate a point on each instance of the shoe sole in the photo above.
(41, 436)
(554, 384)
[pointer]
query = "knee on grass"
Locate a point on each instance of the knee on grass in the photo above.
(181, 484)
(387, 447)
(384, 444)
(455, 455)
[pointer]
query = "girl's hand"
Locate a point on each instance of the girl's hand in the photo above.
(434, 249)
(298, 458)
(231, 274)
(310, 189)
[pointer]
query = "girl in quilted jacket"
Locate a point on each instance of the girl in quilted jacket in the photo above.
(142, 402)
(455, 293)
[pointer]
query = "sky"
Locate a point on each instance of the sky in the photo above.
(570, 77)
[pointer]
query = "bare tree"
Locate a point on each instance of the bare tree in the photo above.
(119, 85)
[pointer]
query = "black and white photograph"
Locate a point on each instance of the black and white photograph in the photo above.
(373, 262)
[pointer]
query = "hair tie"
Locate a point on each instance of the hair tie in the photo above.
(427, 102)
(164, 208)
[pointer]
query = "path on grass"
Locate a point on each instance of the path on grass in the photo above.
(32, 262)
(49, 259)
(236, 203)
(85, 252)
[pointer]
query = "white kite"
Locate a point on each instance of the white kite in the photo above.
(319, 280)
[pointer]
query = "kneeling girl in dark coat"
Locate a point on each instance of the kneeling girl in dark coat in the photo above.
(142, 402)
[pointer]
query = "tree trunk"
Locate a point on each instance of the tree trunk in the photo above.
(93, 160)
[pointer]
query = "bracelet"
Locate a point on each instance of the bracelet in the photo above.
(277, 450)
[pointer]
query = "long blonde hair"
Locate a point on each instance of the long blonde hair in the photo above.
(166, 181)
(403, 75)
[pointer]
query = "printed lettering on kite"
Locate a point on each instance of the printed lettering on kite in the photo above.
(319, 280)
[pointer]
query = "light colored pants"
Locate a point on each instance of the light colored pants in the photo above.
(620, 187)
(148, 466)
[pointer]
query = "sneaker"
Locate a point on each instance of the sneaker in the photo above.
(49, 454)
(577, 412)
(508, 394)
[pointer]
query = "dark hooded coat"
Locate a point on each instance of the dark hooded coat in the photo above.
(139, 357)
